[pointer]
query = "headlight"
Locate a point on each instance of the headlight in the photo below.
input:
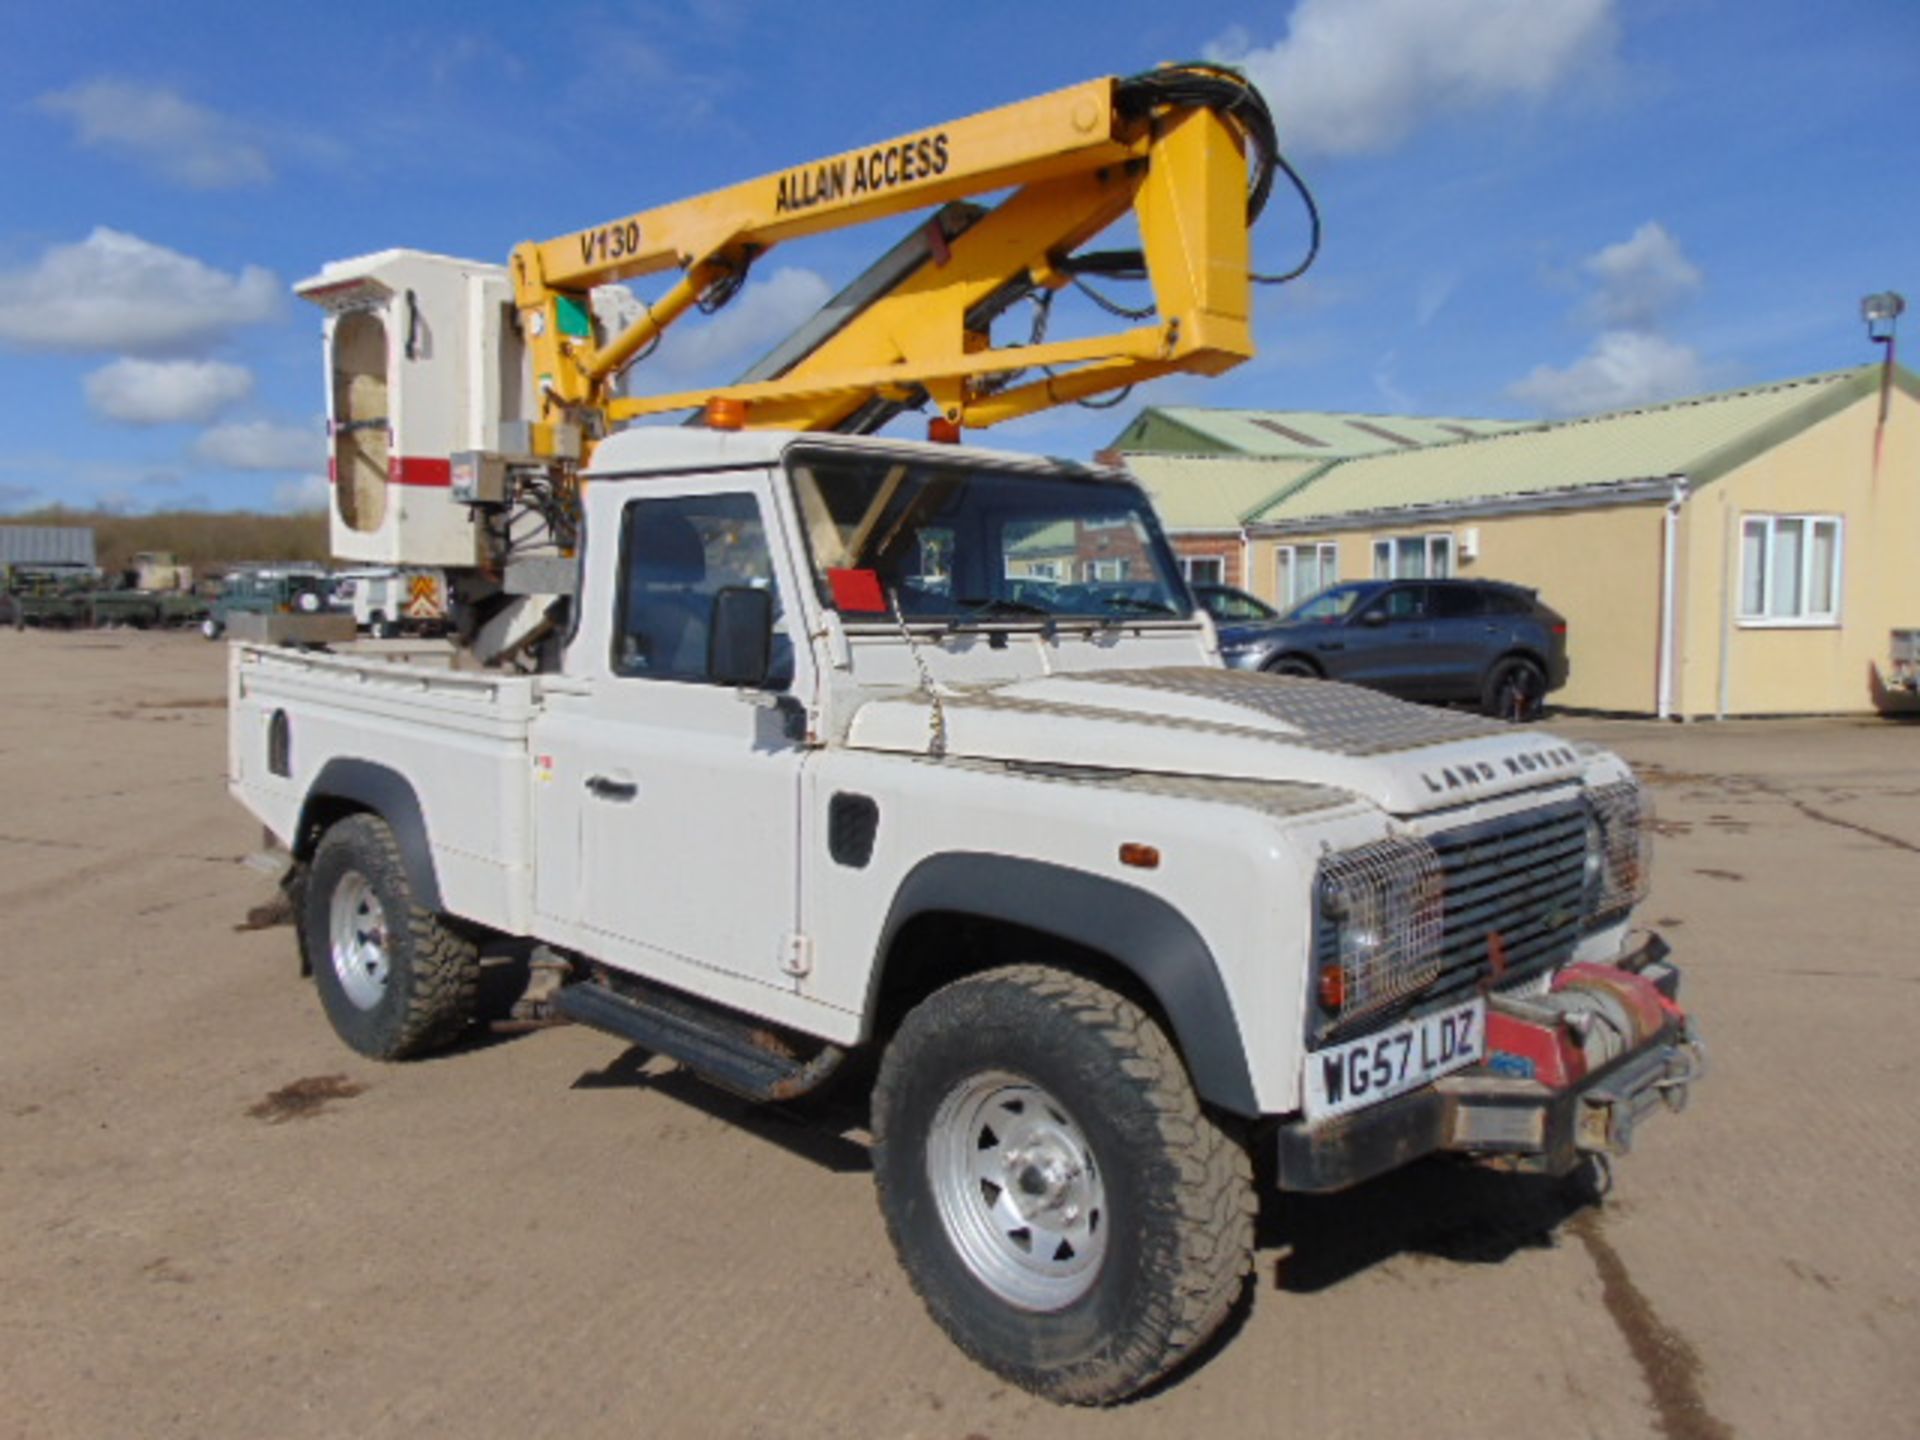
(1619, 850)
(1378, 927)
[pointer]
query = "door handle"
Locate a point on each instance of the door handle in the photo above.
(605, 787)
(1330, 645)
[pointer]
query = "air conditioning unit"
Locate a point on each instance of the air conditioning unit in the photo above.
(1467, 543)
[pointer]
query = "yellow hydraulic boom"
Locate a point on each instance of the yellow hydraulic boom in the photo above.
(1171, 147)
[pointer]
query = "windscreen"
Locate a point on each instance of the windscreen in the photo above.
(1334, 604)
(957, 543)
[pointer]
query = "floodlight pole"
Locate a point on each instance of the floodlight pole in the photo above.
(1882, 313)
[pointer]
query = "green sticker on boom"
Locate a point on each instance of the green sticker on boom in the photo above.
(573, 317)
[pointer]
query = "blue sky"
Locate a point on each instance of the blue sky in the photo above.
(1532, 207)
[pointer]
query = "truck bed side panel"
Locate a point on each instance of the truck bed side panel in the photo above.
(459, 740)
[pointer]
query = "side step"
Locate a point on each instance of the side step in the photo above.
(737, 1052)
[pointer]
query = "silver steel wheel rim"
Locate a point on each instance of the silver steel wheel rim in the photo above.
(357, 940)
(1019, 1193)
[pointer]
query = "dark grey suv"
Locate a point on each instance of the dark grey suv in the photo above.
(1493, 644)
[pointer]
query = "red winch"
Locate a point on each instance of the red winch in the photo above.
(1613, 1039)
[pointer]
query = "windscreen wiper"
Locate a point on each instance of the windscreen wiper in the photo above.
(992, 606)
(1138, 605)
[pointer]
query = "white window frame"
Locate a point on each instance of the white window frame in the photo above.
(1286, 558)
(1439, 542)
(1808, 617)
(1191, 563)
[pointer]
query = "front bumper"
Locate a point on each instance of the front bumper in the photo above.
(1523, 1124)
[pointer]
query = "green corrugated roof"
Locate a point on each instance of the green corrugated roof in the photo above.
(1215, 493)
(1701, 439)
(1323, 435)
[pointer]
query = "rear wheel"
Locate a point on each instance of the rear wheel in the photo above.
(380, 628)
(396, 980)
(1070, 1215)
(1516, 689)
(211, 628)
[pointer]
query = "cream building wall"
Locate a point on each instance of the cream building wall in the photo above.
(1729, 667)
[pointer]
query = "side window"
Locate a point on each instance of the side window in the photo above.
(1508, 602)
(1403, 602)
(676, 554)
(1453, 602)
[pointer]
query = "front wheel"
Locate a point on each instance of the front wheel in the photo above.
(1292, 665)
(380, 628)
(210, 628)
(1515, 690)
(1070, 1215)
(396, 980)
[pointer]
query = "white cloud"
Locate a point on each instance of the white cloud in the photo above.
(1642, 280)
(1386, 383)
(166, 392)
(116, 292)
(1623, 369)
(262, 445)
(1360, 75)
(162, 131)
(309, 492)
(1431, 297)
(703, 350)
(1638, 283)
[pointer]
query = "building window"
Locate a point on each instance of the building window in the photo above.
(1203, 569)
(1790, 570)
(1413, 557)
(1094, 571)
(1304, 570)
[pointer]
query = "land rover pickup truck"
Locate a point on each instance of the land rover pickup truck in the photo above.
(918, 763)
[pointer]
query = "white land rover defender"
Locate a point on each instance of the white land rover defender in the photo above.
(854, 748)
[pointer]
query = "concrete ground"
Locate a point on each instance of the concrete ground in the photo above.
(216, 1221)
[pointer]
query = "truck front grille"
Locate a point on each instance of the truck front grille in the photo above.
(1512, 892)
(1520, 879)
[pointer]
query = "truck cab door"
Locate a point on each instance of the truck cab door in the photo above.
(678, 797)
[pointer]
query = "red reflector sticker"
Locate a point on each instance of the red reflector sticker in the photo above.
(857, 592)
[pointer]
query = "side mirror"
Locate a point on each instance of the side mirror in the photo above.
(740, 642)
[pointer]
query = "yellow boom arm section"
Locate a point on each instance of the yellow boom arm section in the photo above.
(1169, 147)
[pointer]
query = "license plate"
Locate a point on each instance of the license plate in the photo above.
(1391, 1062)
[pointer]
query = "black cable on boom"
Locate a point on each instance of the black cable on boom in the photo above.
(1232, 96)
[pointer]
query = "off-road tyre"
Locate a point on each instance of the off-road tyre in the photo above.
(430, 992)
(1516, 690)
(1178, 1187)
